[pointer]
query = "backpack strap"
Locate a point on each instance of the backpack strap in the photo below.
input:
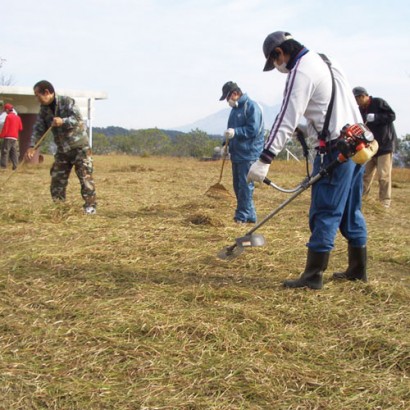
(324, 134)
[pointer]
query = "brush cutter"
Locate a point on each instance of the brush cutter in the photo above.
(250, 239)
(354, 138)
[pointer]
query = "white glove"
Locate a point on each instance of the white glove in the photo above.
(370, 117)
(257, 171)
(230, 133)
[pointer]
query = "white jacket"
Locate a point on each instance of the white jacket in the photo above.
(307, 93)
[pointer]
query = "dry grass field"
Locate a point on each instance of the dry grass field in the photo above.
(131, 308)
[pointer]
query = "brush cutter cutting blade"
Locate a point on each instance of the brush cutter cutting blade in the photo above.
(230, 252)
(255, 239)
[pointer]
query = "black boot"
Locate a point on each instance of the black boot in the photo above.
(357, 265)
(312, 277)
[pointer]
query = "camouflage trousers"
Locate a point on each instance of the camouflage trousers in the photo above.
(60, 171)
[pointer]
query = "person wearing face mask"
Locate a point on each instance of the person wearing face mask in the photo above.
(317, 89)
(245, 135)
(379, 117)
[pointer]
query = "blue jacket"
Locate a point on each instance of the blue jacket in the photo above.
(247, 121)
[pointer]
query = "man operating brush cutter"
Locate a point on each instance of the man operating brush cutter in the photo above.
(356, 142)
(317, 89)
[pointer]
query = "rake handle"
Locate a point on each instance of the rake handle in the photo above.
(24, 158)
(41, 139)
(223, 159)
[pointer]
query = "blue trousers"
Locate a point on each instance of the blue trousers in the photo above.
(245, 208)
(336, 204)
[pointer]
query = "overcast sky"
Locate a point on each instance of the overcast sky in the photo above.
(163, 62)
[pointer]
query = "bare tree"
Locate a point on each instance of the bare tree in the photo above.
(5, 79)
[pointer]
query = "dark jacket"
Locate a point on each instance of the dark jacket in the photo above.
(72, 134)
(246, 120)
(382, 127)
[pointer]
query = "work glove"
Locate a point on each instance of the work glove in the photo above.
(370, 117)
(257, 171)
(229, 133)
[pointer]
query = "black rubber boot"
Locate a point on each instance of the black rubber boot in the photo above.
(312, 277)
(357, 265)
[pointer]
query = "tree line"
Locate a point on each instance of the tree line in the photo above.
(197, 144)
(153, 141)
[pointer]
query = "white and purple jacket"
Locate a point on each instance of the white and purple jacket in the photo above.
(307, 94)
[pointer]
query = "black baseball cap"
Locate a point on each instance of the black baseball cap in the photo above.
(359, 91)
(272, 41)
(228, 88)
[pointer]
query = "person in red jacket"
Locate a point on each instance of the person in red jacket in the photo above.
(9, 134)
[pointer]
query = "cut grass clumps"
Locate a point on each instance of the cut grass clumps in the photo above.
(131, 309)
(204, 219)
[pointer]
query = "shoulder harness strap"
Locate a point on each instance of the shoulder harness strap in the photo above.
(324, 134)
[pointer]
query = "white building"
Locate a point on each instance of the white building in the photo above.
(23, 100)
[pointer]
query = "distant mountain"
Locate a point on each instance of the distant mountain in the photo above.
(216, 123)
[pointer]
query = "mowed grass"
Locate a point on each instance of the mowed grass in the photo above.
(131, 308)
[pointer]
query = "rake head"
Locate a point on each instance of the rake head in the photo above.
(218, 190)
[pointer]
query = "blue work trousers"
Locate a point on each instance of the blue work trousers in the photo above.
(336, 204)
(245, 208)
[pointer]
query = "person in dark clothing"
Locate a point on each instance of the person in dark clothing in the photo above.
(379, 117)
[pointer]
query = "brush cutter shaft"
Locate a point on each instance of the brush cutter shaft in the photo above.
(303, 187)
(231, 252)
(281, 206)
(267, 181)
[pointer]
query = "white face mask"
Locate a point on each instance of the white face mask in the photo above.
(282, 68)
(232, 103)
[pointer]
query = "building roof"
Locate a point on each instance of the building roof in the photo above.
(24, 101)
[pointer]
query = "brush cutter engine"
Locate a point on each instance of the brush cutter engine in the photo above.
(357, 142)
